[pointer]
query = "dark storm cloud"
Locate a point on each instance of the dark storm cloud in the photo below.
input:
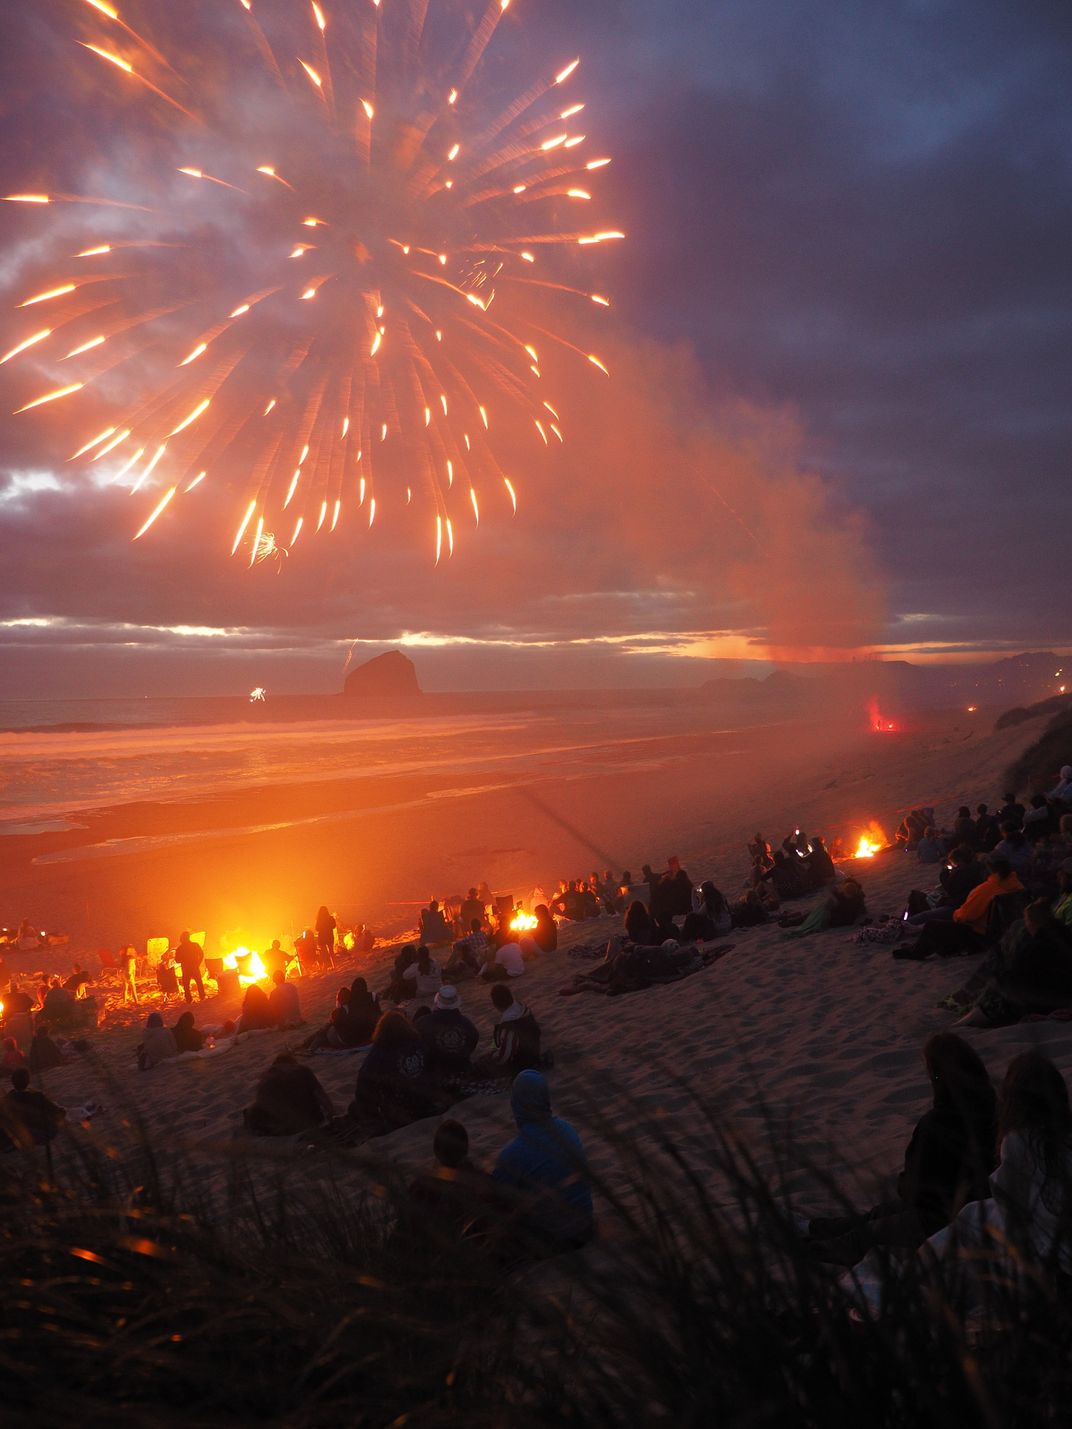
(858, 217)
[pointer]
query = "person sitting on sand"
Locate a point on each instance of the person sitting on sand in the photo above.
(515, 1038)
(449, 1038)
(1023, 1222)
(77, 982)
(472, 910)
(60, 1010)
(963, 873)
(710, 916)
(284, 1004)
(748, 911)
(424, 975)
(929, 848)
(964, 831)
(362, 1014)
(545, 1166)
(947, 1161)
(18, 1014)
(11, 1057)
(1011, 811)
(987, 829)
(392, 1088)
(433, 925)
(29, 1118)
(463, 963)
(820, 865)
(44, 1054)
(1014, 847)
(157, 1044)
(256, 1014)
(786, 876)
(1039, 821)
(289, 1099)
(639, 927)
(187, 1037)
(275, 959)
(507, 961)
(966, 932)
(1034, 975)
(1062, 790)
(545, 933)
(453, 1200)
(759, 851)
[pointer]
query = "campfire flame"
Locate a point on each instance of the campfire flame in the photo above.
(255, 971)
(873, 840)
(523, 923)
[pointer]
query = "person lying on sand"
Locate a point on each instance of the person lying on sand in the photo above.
(947, 1161)
(839, 909)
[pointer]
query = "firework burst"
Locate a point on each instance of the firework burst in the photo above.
(322, 302)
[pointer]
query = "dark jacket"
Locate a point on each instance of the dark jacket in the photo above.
(947, 1163)
(449, 1039)
(958, 882)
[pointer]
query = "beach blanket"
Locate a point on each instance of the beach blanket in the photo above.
(634, 968)
(587, 953)
(338, 1051)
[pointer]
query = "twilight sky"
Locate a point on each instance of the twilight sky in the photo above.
(840, 357)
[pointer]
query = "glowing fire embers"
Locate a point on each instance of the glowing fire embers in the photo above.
(523, 922)
(373, 270)
(873, 840)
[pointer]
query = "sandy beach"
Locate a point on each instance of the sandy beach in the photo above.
(820, 1038)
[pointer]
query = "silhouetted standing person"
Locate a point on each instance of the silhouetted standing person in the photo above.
(189, 956)
(325, 936)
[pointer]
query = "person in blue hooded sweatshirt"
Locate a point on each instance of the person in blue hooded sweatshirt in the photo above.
(546, 1165)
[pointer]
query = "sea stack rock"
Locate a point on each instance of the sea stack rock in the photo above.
(387, 677)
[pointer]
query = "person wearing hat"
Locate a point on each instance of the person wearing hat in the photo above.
(448, 1036)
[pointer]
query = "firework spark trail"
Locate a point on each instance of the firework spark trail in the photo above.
(333, 343)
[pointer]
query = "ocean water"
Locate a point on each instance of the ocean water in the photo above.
(59, 760)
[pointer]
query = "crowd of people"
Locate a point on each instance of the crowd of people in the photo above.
(979, 1166)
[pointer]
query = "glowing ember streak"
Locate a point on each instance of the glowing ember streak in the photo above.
(94, 443)
(27, 342)
(129, 464)
(85, 347)
(438, 538)
(151, 466)
(596, 363)
(117, 440)
(45, 297)
(371, 511)
(50, 397)
(246, 519)
(256, 544)
(187, 421)
(297, 529)
(428, 241)
(158, 509)
(198, 479)
(112, 59)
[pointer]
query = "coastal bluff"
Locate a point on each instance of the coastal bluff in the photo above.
(387, 676)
